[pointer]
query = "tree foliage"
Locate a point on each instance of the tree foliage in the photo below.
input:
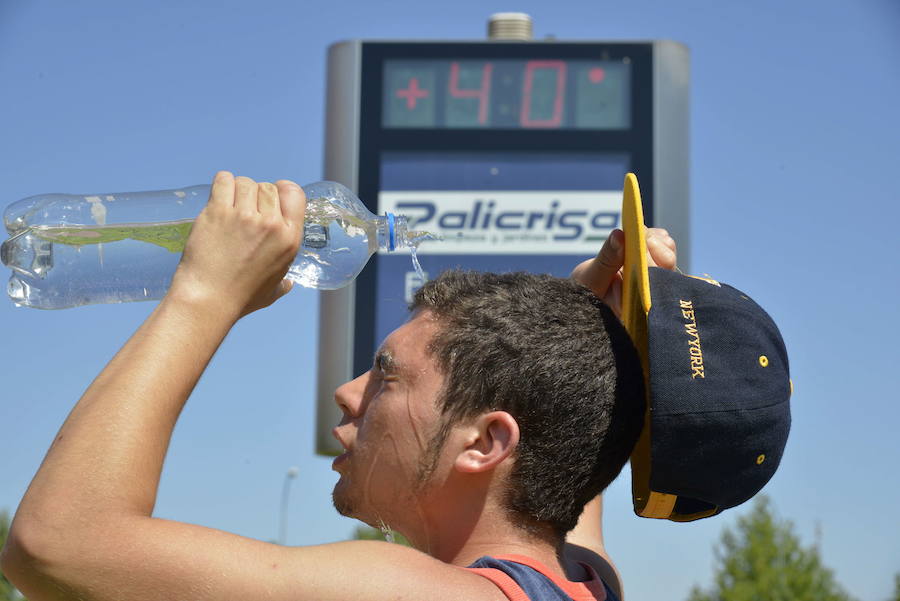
(762, 559)
(7, 590)
(364, 532)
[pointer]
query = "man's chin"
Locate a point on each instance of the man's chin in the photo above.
(342, 501)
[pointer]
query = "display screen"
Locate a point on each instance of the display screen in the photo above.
(507, 94)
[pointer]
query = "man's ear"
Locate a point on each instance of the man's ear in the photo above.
(489, 439)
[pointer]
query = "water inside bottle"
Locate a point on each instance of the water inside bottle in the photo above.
(170, 235)
(173, 235)
(69, 266)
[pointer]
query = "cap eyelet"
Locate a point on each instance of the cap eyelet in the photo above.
(763, 360)
(760, 459)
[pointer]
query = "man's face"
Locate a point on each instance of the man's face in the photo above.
(390, 415)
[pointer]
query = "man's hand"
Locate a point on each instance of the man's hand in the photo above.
(603, 273)
(241, 245)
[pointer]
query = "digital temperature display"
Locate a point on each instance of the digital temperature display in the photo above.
(507, 94)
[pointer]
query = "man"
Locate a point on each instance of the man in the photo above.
(486, 423)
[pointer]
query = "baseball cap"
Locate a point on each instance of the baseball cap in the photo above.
(717, 385)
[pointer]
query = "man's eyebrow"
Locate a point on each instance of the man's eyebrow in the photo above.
(384, 361)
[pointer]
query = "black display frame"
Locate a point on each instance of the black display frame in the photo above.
(374, 139)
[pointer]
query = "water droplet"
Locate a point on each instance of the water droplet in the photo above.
(414, 239)
(416, 265)
(386, 531)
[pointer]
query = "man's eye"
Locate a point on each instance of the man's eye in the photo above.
(386, 376)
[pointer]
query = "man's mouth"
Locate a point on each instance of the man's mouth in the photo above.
(343, 457)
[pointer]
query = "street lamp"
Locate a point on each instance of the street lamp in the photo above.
(285, 492)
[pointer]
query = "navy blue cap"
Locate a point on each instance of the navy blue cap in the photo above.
(718, 386)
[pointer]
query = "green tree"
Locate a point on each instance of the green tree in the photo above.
(364, 532)
(896, 595)
(763, 559)
(7, 590)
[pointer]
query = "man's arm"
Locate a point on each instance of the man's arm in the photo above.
(602, 275)
(146, 559)
(584, 543)
(84, 529)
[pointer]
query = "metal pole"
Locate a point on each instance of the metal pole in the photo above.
(285, 492)
(510, 26)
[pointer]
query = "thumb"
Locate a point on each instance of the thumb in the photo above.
(283, 288)
(598, 273)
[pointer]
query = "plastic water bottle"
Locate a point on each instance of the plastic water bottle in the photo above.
(68, 250)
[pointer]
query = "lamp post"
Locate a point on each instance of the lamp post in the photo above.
(285, 492)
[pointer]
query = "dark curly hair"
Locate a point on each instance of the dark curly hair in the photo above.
(555, 357)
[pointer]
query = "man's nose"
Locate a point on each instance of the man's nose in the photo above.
(349, 396)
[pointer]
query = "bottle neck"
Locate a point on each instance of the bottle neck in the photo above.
(392, 231)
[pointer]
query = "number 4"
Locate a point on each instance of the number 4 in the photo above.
(483, 93)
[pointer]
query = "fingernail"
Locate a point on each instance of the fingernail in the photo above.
(614, 242)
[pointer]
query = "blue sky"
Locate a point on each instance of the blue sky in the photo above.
(795, 146)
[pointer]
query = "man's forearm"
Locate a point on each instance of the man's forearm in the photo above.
(107, 458)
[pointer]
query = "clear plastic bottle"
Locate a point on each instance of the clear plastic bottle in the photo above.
(69, 250)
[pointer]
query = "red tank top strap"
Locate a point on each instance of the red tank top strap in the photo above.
(503, 581)
(592, 589)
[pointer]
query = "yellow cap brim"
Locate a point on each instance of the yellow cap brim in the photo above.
(636, 281)
(636, 305)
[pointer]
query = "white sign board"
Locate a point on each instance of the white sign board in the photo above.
(474, 222)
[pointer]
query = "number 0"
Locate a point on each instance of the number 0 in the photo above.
(528, 86)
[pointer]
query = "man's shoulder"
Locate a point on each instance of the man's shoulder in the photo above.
(527, 579)
(380, 570)
(599, 561)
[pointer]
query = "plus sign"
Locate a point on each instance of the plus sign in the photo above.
(412, 93)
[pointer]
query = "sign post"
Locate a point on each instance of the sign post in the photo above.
(514, 152)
